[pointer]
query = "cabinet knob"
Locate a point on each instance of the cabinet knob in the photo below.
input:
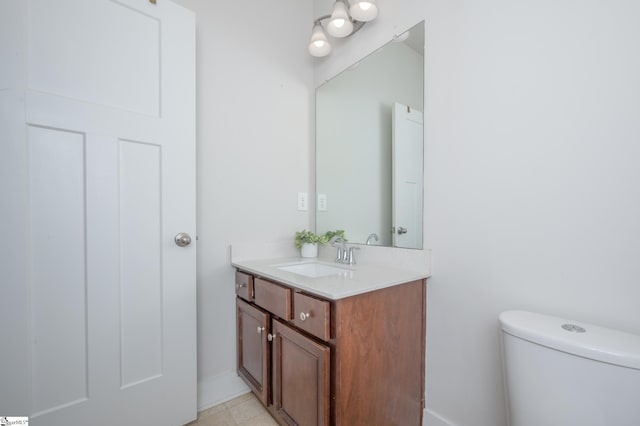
(239, 286)
(260, 330)
(304, 316)
(271, 337)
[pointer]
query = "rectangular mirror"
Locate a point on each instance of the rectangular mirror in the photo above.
(369, 146)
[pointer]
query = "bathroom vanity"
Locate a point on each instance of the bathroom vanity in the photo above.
(343, 349)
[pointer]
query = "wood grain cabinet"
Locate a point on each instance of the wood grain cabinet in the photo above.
(352, 361)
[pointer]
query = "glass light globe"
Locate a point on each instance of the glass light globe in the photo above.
(318, 45)
(340, 25)
(364, 10)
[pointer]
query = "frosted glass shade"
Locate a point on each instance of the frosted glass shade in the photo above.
(340, 25)
(319, 46)
(364, 10)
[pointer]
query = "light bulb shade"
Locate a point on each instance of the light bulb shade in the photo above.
(318, 45)
(340, 24)
(364, 10)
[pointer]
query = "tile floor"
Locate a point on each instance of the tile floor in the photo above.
(244, 410)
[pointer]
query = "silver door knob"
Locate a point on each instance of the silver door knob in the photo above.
(260, 330)
(304, 316)
(271, 337)
(401, 230)
(183, 239)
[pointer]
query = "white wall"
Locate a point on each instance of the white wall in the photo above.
(532, 200)
(354, 133)
(254, 148)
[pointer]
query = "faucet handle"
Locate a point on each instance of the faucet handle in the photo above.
(351, 257)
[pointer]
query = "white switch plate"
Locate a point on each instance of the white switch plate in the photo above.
(303, 201)
(322, 202)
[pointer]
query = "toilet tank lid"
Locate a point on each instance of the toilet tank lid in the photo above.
(597, 343)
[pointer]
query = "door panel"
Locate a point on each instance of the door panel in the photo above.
(58, 276)
(140, 261)
(129, 49)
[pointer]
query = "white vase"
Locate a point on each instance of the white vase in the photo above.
(309, 250)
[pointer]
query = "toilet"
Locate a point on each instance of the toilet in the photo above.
(559, 372)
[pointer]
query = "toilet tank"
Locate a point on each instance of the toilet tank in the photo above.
(559, 372)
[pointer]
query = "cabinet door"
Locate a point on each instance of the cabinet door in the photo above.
(253, 349)
(300, 378)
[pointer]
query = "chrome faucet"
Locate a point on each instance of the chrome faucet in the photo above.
(374, 236)
(345, 253)
(351, 259)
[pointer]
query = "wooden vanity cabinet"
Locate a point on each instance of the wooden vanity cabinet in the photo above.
(353, 361)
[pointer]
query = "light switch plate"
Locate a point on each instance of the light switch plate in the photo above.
(303, 201)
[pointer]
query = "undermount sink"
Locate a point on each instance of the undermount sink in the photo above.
(312, 269)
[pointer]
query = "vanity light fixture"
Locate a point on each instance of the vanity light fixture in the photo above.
(345, 19)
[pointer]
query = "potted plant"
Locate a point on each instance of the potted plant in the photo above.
(307, 242)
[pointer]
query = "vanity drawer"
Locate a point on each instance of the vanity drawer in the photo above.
(272, 297)
(312, 315)
(244, 286)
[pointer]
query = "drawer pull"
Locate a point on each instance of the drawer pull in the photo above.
(239, 286)
(304, 316)
(260, 330)
(271, 337)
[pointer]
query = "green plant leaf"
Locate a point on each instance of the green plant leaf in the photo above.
(304, 236)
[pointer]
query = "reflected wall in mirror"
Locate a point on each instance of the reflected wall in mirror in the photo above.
(369, 146)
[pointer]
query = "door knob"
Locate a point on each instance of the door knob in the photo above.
(304, 316)
(183, 239)
(401, 230)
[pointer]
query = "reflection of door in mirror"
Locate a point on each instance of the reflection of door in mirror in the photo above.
(407, 154)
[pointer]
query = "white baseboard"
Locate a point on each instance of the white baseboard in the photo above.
(431, 418)
(221, 388)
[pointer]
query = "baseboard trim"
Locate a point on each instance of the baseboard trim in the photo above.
(431, 418)
(221, 388)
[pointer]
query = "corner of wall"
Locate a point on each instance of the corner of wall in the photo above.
(220, 388)
(430, 418)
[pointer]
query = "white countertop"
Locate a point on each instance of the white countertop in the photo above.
(353, 280)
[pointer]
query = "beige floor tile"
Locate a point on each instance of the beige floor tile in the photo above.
(244, 410)
(239, 400)
(220, 418)
(210, 411)
(247, 410)
(261, 420)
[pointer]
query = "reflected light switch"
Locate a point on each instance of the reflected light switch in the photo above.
(322, 202)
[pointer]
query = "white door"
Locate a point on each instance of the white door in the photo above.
(98, 175)
(407, 153)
